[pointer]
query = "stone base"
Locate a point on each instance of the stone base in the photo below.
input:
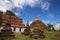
(6, 33)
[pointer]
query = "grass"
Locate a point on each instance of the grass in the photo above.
(20, 37)
(49, 36)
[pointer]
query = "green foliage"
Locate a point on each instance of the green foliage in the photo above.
(0, 19)
(49, 36)
(36, 28)
(10, 13)
(50, 26)
(19, 37)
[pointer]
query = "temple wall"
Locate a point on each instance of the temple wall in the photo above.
(12, 29)
(17, 29)
(16, 23)
(22, 29)
(14, 20)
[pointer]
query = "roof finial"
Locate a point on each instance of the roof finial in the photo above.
(37, 18)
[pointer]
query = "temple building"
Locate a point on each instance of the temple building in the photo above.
(16, 23)
(38, 24)
(18, 26)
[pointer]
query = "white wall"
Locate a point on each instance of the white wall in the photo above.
(1, 28)
(17, 29)
(22, 29)
(12, 29)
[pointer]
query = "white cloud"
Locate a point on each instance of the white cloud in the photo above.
(51, 15)
(45, 5)
(11, 4)
(17, 13)
(5, 5)
(57, 26)
(18, 3)
(46, 21)
(32, 3)
(30, 22)
(2, 9)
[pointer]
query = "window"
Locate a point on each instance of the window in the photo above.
(20, 29)
(14, 29)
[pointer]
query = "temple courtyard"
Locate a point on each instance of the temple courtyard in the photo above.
(52, 35)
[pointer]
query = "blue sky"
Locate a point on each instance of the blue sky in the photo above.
(47, 11)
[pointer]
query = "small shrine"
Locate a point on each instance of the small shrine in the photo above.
(27, 29)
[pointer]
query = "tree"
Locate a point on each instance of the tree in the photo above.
(50, 26)
(0, 18)
(10, 13)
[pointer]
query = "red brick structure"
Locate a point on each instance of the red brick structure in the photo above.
(38, 24)
(16, 23)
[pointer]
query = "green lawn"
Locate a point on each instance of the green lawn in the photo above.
(49, 36)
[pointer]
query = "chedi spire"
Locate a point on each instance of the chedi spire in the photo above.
(36, 18)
